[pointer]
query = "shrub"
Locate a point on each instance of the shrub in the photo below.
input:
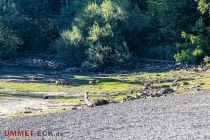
(206, 59)
(196, 46)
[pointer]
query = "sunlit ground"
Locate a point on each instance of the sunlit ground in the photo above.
(36, 80)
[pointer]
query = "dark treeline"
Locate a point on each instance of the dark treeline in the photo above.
(99, 33)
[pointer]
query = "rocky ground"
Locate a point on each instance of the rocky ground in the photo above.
(184, 117)
(33, 87)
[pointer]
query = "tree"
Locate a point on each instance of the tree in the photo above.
(9, 40)
(171, 17)
(142, 4)
(96, 38)
(39, 27)
(196, 45)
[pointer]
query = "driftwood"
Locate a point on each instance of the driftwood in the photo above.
(86, 100)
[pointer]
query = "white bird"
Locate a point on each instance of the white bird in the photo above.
(97, 81)
(90, 82)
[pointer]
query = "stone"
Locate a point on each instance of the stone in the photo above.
(131, 92)
(175, 84)
(153, 95)
(46, 97)
(165, 86)
(186, 83)
(115, 94)
(62, 82)
(49, 97)
(158, 95)
(129, 98)
(165, 90)
(147, 85)
(202, 84)
(100, 102)
(200, 69)
(74, 108)
(195, 86)
(27, 111)
(144, 93)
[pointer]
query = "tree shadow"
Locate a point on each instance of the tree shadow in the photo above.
(26, 76)
(31, 75)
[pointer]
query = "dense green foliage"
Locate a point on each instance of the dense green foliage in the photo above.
(196, 45)
(40, 28)
(96, 37)
(98, 33)
(171, 17)
(9, 39)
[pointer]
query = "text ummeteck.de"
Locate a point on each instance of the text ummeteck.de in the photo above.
(30, 133)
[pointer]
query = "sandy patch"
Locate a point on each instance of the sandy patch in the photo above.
(12, 107)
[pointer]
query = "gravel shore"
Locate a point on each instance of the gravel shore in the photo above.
(184, 117)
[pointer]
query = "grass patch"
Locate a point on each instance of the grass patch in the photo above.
(79, 84)
(111, 83)
(5, 96)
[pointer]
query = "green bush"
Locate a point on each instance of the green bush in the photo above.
(206, 59)
(95, 39)
(196, 46)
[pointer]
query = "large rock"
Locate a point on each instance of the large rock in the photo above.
(100, 102)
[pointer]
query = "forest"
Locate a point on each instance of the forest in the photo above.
(95, 34)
